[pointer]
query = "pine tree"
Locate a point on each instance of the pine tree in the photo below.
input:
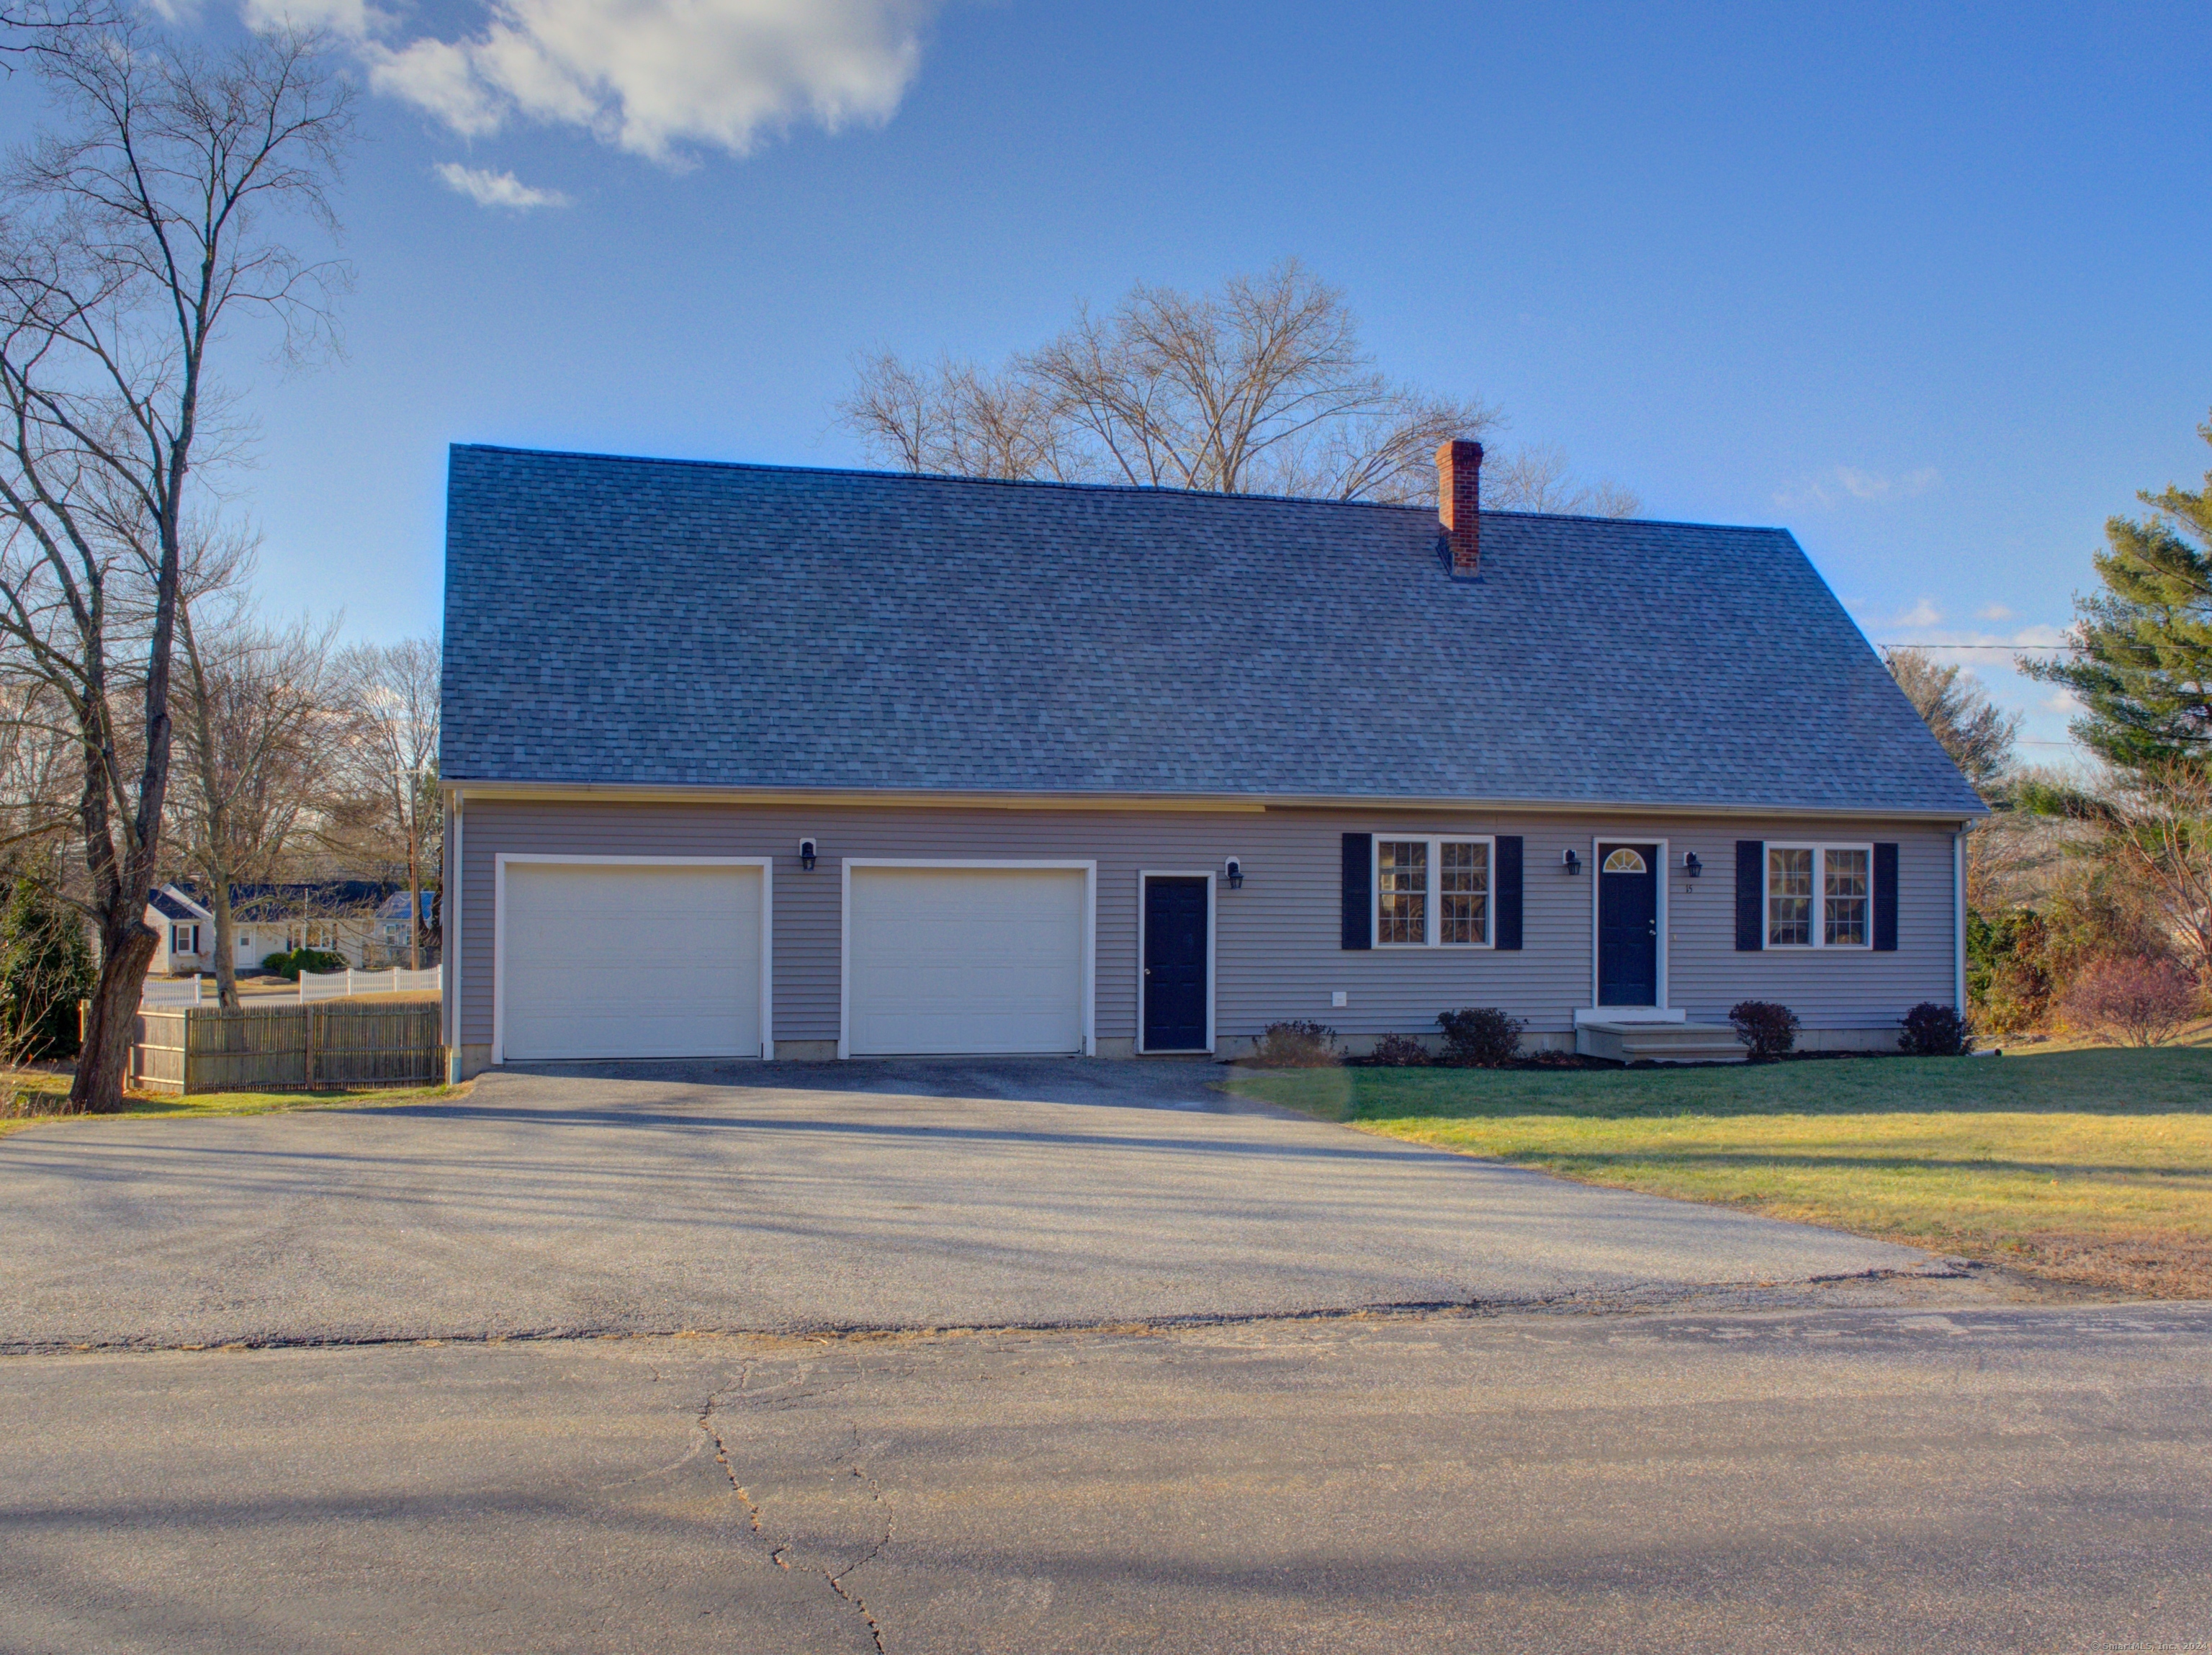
(2143, 673)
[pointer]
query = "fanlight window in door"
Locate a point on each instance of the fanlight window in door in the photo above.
(1625, 861)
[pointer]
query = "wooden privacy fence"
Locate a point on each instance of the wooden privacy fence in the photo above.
(193, 1048)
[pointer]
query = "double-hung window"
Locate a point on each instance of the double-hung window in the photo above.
(1431, 893)
(1819, 896)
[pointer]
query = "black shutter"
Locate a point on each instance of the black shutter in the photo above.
(1750, 894)
(1358, 899)
(1507, 933)
(1885, 900)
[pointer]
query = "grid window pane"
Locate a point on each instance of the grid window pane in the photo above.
(1462, 892)
(1845, 890)
(1789, 898)
(1401, 888)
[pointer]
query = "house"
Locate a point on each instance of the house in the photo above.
(340, 917)
(336, 916)
(389, 942)
(186, 931)
(751, 760)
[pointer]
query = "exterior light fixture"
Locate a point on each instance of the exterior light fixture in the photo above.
(1691, 865)
(806, 855)
(1236, 872)
(1571, 862)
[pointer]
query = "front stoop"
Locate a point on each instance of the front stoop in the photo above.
(1659, 1042)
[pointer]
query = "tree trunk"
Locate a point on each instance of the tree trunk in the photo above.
(226, 951)
(125, 951)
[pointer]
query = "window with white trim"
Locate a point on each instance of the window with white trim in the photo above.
(1819, 896)
(1431, 891)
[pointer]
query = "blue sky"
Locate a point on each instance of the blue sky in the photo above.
(1925, 285)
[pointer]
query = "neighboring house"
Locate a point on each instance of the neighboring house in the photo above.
(185, 930)
(743, 759)
(389, 942)
(336, 916)
(342, 916)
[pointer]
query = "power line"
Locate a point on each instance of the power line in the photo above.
(1923, 643)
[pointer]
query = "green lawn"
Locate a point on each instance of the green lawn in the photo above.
(2089, 1167)
(138, 1106)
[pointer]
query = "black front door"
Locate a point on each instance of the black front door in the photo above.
(1175, 965)
(1627, 925)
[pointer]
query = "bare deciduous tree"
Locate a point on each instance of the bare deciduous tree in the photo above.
(1537, 480)
(1976, 734)
(390, 693)
(137, 233)
(1261, 386)
(254, 709)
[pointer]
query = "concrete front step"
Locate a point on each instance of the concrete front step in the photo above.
(1660, 1043)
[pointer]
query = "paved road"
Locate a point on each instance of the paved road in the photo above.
(1957, 1480)
(784, 1199)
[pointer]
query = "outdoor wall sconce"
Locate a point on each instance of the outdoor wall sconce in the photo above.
(1691, 865)
(806, 855)
(1568, 861)
(1235, 870)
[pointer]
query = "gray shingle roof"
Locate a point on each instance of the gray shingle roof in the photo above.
(670, 623)
(169, 908)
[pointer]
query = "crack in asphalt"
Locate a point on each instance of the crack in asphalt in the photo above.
(779, 1553)
(837, 1580)
(1628, 1300)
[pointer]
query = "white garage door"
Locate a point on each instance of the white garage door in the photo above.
(615, 960)
(952, 960)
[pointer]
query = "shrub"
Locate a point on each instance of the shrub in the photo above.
(1481, 1037)
(1767, 1030)
(1295, 1046)
(1401, 1051)
(1935, 1031)
(288, 966)
(2008, 969)
(2143, 1003)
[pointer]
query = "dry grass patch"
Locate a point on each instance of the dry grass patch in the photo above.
(30, 1097)
(2092, 1167)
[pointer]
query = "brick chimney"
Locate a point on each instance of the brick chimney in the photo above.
(1459, 503)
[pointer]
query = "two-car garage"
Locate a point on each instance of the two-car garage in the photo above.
(620, 958)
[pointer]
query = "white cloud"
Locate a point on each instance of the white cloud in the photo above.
(353, 20)
(1827, 488)
(651, 76)
(490, 189)
(1922, 613)
(1993, 612)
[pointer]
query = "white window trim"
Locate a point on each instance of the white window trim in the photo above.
(1150, 874)
(1432, 913)
(1089, 870)
(766, 864)
(1659, 871)
(1820, 848)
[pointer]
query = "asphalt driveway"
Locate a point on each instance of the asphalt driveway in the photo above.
(1984, 1482)
(661, 1199)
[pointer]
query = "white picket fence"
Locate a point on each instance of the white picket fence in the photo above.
(343, 985)
(158, 994)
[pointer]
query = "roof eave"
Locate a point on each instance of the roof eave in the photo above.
(955, 798)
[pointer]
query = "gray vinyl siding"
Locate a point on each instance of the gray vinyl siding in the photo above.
(1278, 954)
